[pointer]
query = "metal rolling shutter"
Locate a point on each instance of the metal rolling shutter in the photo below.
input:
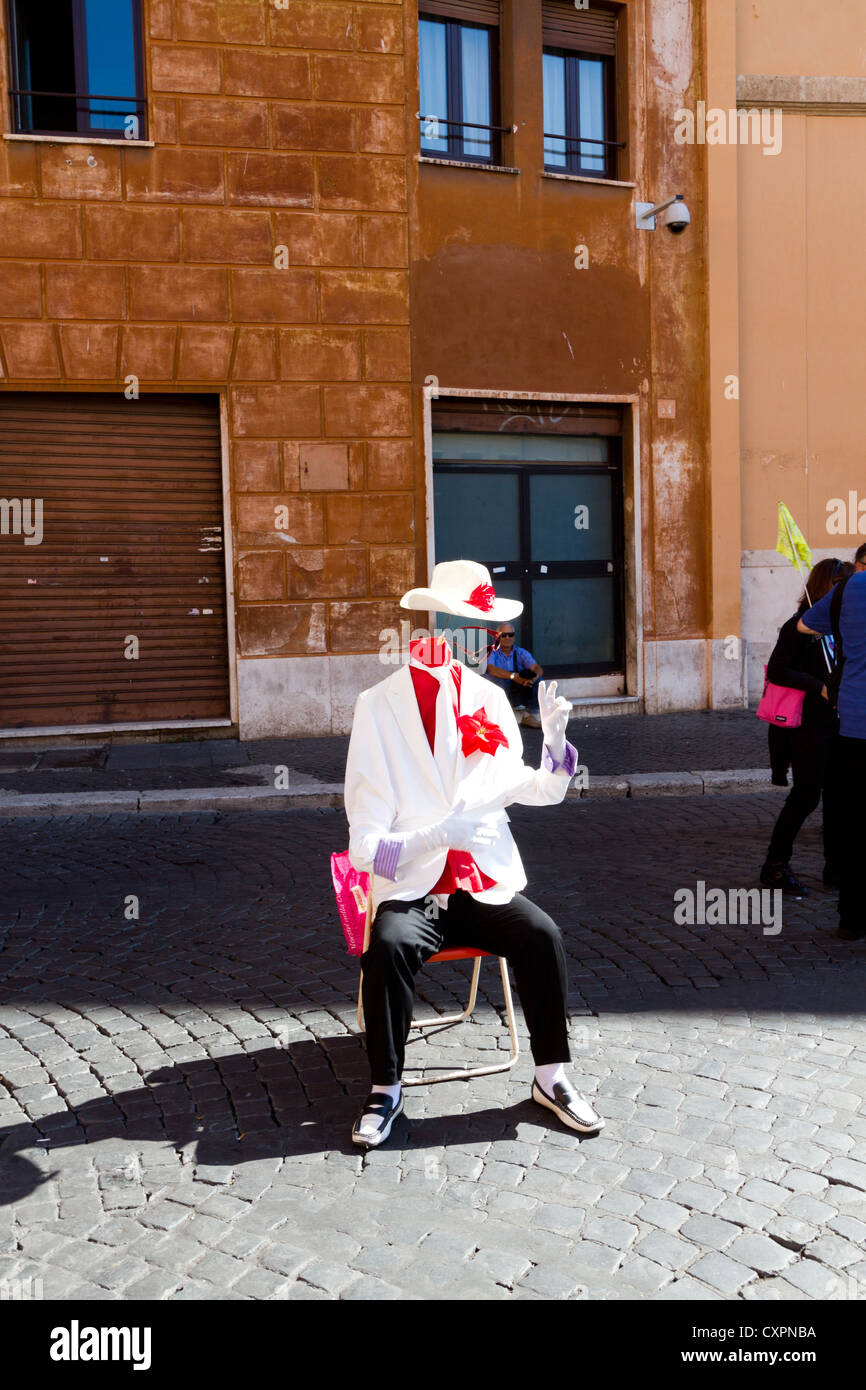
(591, 31)
(472, 11)
(132, 545)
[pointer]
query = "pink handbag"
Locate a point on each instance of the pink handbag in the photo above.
(352, 890)
(781, 705)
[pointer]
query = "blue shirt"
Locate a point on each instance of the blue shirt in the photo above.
(852, 626)
(519, 655)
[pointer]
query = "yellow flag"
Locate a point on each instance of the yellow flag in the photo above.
(791, 542)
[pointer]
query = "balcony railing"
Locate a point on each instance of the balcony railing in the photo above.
(123, 109)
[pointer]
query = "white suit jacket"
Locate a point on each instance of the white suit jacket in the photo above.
(394, 784)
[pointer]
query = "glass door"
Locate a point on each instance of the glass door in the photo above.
(551, 536)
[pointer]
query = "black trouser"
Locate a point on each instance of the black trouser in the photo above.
(403, 937)
(849, 780)
(835, 811)
(780, 758)
(809, 748)
(526, 695)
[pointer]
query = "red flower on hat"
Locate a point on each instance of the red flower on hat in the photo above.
(480, 734)
(482, 597)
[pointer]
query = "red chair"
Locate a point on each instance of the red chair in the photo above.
(447, 1020)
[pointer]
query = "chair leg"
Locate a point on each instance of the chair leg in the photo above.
(444, 1020)
(441, 1021)
(449, 1019)
(509, 1013)
(478, 1071)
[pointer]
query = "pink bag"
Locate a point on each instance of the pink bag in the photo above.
(352, 891)
(781, 705)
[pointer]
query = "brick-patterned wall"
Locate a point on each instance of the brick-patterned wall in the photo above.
(272, 127)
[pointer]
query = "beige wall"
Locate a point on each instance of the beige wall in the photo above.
(798, 293)
(818, 37)
(803, 311)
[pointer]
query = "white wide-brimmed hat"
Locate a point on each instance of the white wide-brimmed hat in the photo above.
(463, 589)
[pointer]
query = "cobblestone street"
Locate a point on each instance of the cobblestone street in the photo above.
(182, 1069)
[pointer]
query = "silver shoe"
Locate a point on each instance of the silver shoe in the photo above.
(571, 1108)
(373, 1125)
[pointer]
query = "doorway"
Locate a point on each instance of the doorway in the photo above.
(545, 515)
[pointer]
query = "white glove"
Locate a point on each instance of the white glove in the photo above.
(467, 834)
(554, 710)
(456, 831)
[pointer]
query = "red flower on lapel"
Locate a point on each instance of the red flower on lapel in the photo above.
(480, 734)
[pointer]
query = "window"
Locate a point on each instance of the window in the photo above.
(77, 68)
(576, 101)
(458, 67)
(545, 515)
(579, 90)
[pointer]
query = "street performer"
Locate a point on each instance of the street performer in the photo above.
(434, 759)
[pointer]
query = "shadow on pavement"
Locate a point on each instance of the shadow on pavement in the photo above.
(169, 1109)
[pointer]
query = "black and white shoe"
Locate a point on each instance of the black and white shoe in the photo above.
(571, 1108)
(373, 1125)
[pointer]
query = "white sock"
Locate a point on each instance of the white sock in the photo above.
(548, 1075)
(372, 1122)
(392, 1091)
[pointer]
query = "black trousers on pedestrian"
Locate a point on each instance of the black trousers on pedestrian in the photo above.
(780, 758)
(809, 748)
(404, 936)
(848, 779)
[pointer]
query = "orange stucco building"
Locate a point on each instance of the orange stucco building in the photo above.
(297, 298)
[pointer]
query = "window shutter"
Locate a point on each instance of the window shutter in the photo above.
(472, 11)
(592, 31)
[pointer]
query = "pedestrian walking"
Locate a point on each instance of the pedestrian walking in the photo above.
(780, 754)
(842, 615)
(802, 661)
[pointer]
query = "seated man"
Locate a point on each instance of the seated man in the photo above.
(519, 672)
(434, 759)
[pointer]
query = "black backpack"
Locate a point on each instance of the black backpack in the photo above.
(834, 679)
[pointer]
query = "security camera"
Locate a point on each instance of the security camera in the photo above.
(677, 217)
(672, 214)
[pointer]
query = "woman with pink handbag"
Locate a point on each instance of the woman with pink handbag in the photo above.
(795, 699)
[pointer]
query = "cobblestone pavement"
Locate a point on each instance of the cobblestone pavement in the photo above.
(684, 742)
(180, 1085)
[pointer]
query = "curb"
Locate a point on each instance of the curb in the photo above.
(707, 783)
(169, 801)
